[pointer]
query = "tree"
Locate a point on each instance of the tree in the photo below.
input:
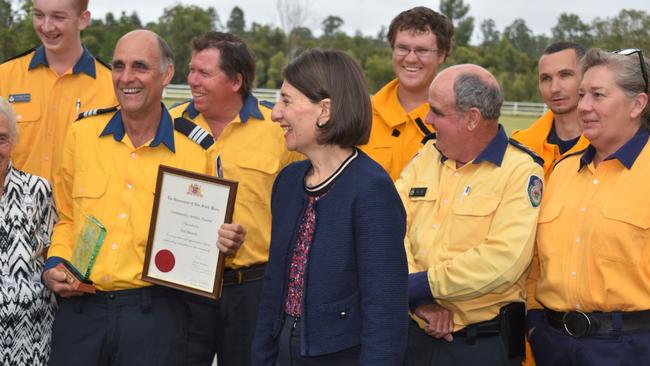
(274, 73)
(629, 29)
(293, 14)
(101, 36)
(332, 25)
(523, 39)
(178, 25)
(570, 27)
(236, 23)
(489, 33)
(456, 11)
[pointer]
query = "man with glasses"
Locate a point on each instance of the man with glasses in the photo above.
(559, 131)
(421, 41)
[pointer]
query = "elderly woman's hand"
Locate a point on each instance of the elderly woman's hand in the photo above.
(231, 237)
(55, 280)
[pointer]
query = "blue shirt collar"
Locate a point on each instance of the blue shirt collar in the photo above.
(250, 108)
(164, 134)
(626, 154)
(495, 150)
(85, 64)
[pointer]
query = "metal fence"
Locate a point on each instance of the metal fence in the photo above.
(177, 92)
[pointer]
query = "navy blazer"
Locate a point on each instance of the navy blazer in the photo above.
(356, 280)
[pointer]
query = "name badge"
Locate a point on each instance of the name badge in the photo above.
(19, 98)
(418, 192)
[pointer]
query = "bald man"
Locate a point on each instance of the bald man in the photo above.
(108, 170)
(471, 197)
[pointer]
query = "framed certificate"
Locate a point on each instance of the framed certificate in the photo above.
(182, 248)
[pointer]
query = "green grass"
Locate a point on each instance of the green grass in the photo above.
(513, 123)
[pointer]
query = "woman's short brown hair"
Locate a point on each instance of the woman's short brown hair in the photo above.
(320, 74)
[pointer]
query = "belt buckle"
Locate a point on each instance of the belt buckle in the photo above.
(576, 323)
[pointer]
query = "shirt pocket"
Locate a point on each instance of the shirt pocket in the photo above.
(87, 190)
(547, 230)
(472, 216)
(27, 112)
(626, 239)
(258, 172)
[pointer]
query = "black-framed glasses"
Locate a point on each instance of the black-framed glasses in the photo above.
(402, 50)
(638, 51)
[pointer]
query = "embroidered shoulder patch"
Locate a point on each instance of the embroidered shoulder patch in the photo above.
(535, 189)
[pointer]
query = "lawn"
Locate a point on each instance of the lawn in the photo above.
(513, 123)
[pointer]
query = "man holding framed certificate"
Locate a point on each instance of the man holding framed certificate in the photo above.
(249, 148)
(109, 168)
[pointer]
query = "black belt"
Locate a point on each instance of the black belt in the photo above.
(489, 328)
(578, 324)
(241, 275)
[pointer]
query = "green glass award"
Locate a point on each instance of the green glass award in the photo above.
(90, 239)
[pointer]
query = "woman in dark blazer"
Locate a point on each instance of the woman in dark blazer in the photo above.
(335, 290)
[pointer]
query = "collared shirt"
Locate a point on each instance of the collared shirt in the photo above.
(470, 230)
(46, 104)
(593, 241)
(104, 175)
(252, 151)
(535, 138)
(396, 135)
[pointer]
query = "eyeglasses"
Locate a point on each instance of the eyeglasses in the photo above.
(401, 50)
(631, 51)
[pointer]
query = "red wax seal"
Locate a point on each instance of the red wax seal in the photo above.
(165, 260)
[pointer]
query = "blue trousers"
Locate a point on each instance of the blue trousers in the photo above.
(554, 348)
(225, 327)
(145, 326)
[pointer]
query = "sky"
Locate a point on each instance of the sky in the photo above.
(368, 16)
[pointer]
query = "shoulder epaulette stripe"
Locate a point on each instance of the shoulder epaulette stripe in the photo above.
(425, 130)
(579, 152)
(193, 132)
(267, 104)
(95, 112)
(538, 159)
(18, 55)
(431, 136)
(102, 62)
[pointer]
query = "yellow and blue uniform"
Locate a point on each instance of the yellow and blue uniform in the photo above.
(535, 138)
(46, 104)
(469, 241)
(396, 134)
(251, 151)
(593, 246)
(104, 175)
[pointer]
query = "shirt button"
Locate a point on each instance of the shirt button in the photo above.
(122, 216)
(573, 274)
(129, 186)
(577, 306)
(445, 201)
(456, 174)
(583, 209)
(114, 246)
(46, 158)
(577, 240)
(106, 278)
(596, 181)
(434, 226)
(133, 155)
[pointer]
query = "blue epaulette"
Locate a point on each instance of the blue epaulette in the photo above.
(95, 112)
(267, 104)
(193, 132)
(528, 151)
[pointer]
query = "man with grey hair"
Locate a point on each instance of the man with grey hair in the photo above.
(471, 197)
(108, 171)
